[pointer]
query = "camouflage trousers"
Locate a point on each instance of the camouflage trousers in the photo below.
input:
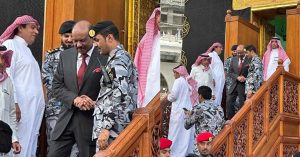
(50, 124)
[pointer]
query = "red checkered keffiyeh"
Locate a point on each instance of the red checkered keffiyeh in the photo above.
(6, 55)
(9, 32)
(143, 54)
(266, 58)
(181, 70)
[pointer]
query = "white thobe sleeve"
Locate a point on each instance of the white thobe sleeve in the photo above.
(211, 83)
(11, 70)
(13, 118)
(192, 74)
(212, 64)
(175, 91)
(286, 64)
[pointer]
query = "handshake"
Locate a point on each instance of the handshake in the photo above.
(84, 102)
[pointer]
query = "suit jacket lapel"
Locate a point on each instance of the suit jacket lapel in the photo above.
(73, 70)
(236, 65)
(245, 62)
(92, 64)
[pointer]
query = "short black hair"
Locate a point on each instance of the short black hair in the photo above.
(250, 48)
(112, 30)
(16, 31)
(233, 48)
(205, 92)
(105, 28)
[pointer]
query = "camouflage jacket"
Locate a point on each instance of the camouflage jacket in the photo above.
(48, 68)
(207, 117)
(228, 80)
(255, 76)
(116, 102)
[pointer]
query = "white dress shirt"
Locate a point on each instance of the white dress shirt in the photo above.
(87, 59)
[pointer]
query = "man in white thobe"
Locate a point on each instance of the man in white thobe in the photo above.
(26, 77)
(7, 103)
(218, 70)
(147, 61)
(183, 91)
(274, 52)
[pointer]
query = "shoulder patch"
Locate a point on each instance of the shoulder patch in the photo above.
(53, 50)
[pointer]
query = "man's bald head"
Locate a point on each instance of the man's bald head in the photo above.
(82, 26)
(240, 47)
(240, 51)
(82, 42)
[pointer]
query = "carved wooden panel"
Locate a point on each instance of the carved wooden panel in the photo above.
(166, 109)
(240, 139)
(276, 153)
(258, 122)
(290, 97)
(289, 150)
(146, 9)
(135, 38)
(135, 153)
(221, 152)
(274, 101)
(156, 134)
(142, 10)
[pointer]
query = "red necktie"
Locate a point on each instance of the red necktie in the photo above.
(240, 65)
(81, 70)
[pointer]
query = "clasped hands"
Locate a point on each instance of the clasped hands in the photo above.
(241, 78)
(84, 102)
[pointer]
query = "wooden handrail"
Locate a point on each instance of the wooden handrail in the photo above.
(137, 138)
(260, 126)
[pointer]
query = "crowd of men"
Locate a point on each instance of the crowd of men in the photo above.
(91, 83)
(193, 113)
(93, 89)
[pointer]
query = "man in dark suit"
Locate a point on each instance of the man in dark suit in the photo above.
(76, 85)
(238, 72)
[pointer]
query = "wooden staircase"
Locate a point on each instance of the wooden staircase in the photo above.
(141, 136)
(268, 124)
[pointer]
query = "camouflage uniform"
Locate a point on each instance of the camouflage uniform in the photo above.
(53, 106)
(228, 80)
(116, 102)
(51, 61)
(207, 117)
(255, 76)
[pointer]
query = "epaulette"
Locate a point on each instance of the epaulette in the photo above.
(53, 50)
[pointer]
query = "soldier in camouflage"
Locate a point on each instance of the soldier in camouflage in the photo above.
(207, 116)
(255, 76)
(48, 68)
(117, 99)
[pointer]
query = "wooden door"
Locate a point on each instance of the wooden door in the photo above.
(293, 39)
(239, 31)
(268, 31)
(57, 11)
